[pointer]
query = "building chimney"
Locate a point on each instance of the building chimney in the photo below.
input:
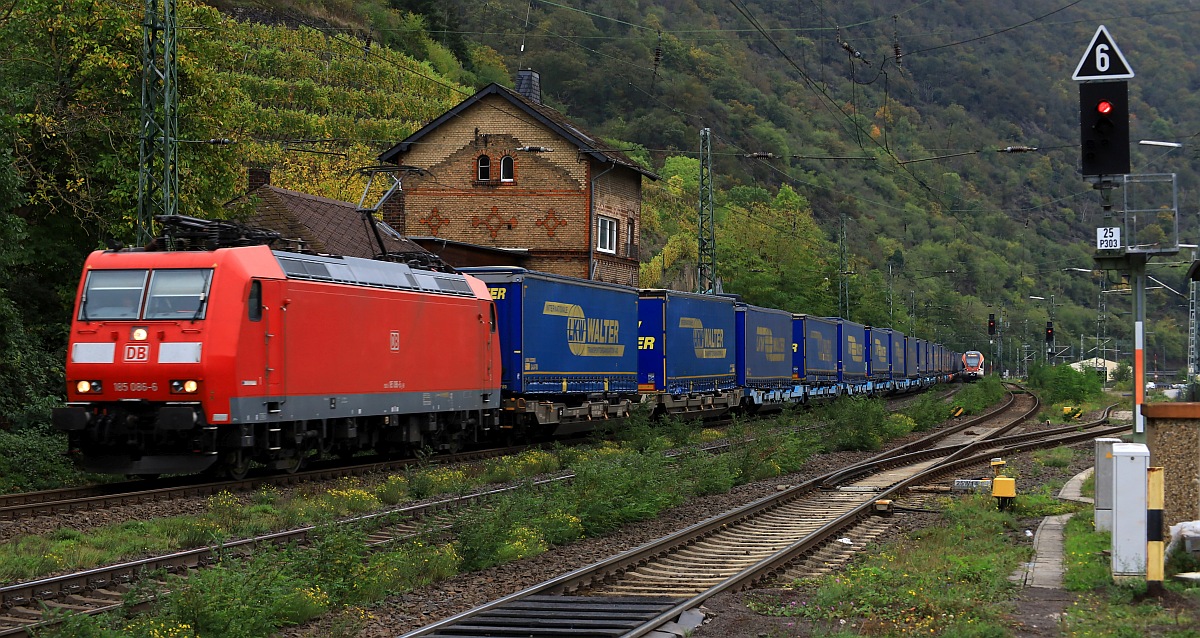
(393, 212)
(259, 176)
(529, 84)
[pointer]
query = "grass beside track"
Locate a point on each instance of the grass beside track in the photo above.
(337, 575)
(615, 484)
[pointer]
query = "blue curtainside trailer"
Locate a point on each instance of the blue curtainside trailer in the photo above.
(569, 346)
(686, 343)
(815, 355)
(852, 356)
(764, 356)
(879, 359)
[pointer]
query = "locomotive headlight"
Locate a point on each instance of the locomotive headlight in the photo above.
(138, 334)
(179, 386)
(88, 387)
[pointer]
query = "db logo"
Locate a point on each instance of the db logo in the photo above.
(137, 353)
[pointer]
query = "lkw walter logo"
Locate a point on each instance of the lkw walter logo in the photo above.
(587, 336)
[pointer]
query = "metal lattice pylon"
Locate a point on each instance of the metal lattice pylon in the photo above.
(1192, 327)
(843, 272)
(706, 279)
(158, 173)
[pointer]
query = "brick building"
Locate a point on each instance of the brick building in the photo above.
(502, 171)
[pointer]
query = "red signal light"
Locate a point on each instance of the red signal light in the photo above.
(1104, 107)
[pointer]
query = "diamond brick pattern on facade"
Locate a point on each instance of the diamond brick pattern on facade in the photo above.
(494, 222)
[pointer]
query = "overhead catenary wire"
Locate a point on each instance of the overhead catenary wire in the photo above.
(635, 85)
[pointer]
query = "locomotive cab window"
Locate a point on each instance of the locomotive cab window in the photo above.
(112, 294)
(178, 294)
(255, 302)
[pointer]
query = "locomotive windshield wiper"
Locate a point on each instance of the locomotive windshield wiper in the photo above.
(83, 308)
(200, 307)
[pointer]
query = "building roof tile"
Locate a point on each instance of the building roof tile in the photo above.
(322, 225)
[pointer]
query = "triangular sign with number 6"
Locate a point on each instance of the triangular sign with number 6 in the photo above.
(1103, 60)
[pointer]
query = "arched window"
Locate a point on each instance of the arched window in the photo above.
(484, 166)
(506, 168)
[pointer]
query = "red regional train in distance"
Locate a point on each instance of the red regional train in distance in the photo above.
(972, 365)
(223, 353)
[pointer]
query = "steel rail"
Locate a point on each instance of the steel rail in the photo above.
(582, 578)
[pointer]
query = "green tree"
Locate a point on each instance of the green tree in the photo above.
(770, 251)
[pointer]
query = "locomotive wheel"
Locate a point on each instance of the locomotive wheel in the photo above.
(293, 464)
(324, 443)
(238, 465)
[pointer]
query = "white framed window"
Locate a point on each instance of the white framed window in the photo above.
(606, 235)
(483, 167)
(506, 168)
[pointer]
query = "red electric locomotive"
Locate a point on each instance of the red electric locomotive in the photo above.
(181, 362)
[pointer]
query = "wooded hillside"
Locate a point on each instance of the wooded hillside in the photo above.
(865, 129)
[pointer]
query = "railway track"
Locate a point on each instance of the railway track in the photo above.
(97, 497)
(53, 502)
(662, 584)
(102, 589)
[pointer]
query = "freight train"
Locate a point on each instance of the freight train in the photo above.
(211, 360)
